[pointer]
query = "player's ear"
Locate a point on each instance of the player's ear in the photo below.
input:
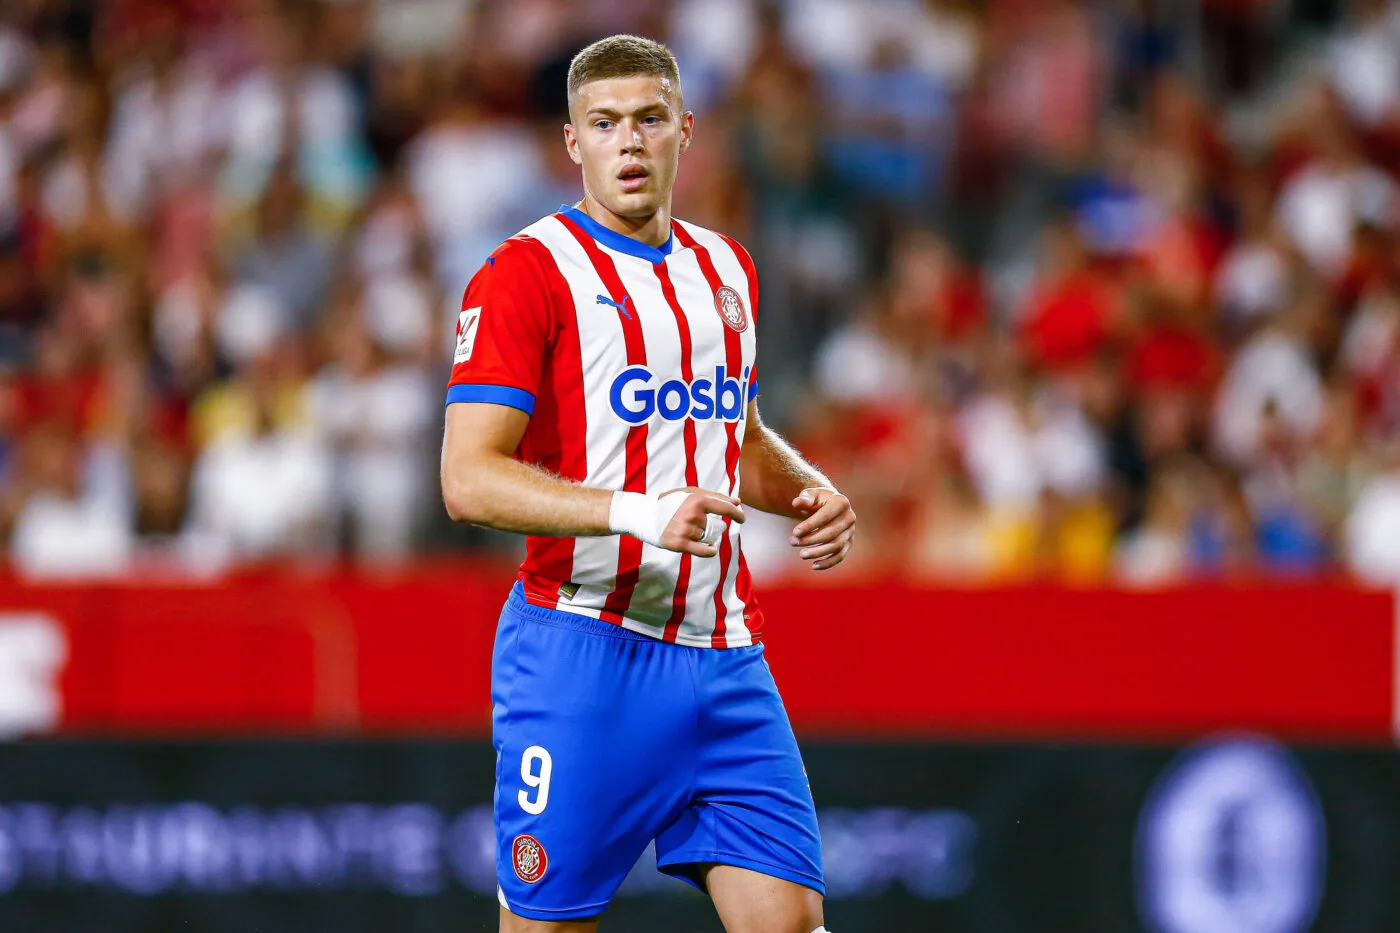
(687, 129)
(571, 143)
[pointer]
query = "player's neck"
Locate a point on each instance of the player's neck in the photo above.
(653, 231)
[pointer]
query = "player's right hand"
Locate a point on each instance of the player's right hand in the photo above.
(688, 520)
(698, 522)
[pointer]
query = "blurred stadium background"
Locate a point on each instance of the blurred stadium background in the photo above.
(1093, 309)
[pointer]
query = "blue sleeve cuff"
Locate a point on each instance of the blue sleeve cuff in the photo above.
(494, 395)
(753, 389)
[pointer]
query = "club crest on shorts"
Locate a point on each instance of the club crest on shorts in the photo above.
(529, 858)
(731, 307)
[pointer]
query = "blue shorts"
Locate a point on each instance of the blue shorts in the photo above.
(606, 740)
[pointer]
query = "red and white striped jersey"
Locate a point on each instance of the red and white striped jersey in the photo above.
(636, 366)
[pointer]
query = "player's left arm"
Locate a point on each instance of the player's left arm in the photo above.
(775, 478)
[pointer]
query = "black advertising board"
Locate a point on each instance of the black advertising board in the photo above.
(1236, 834)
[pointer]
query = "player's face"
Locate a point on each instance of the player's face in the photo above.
(628, 134)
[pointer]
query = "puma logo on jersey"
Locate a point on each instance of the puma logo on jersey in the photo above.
(620, 306)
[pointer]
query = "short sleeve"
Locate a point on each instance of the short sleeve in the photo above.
(504, 331)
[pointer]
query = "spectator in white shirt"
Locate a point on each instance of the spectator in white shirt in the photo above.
(1321, 206)
(1273, 372)
(1364, 62)
(1372, 533)
(75, 522)
(261, 494)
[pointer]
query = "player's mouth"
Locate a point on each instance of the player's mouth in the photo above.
(633, 177)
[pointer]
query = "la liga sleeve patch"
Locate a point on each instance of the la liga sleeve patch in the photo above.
(505, 326)
(468, 322)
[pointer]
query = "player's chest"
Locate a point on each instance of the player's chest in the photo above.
(667, 317)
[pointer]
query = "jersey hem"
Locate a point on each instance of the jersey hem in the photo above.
(707, 641)
(575, 621)
(625, 631)
(682, 859)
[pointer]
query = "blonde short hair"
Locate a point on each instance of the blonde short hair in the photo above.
(624, 57)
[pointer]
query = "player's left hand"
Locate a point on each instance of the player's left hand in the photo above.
(827, 529)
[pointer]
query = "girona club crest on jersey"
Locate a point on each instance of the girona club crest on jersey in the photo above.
(731, 307)
(529, 858)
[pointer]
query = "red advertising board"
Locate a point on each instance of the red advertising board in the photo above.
(410, 652)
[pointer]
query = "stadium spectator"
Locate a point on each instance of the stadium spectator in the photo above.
(73, 521)
(374, 404)
(260, 490)
(1364, 62)
(1373, 531)
(284, 256)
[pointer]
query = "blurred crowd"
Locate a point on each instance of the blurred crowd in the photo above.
(1052, 288)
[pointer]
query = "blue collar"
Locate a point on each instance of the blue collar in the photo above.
(620, 242)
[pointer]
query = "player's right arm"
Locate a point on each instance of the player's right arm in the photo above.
(484, 484)
(504, 336)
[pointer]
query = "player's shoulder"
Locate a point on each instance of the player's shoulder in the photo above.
(520, 260)
(519, 253)
(713, 239)
(520, 274)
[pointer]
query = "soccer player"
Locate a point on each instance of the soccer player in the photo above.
(602, 402)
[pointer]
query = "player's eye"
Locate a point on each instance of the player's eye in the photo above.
(651, 120)
(604, 124)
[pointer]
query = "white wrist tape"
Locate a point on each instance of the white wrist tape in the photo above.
(635, 514)
(714, 529)
(645, 516)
